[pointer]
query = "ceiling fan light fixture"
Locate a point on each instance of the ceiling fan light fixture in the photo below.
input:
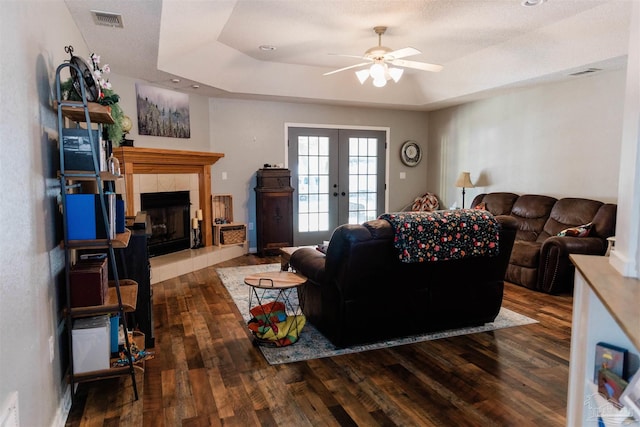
(377, 71)
(380, 57)
(395, 73)
(380, 82)
(362, 76)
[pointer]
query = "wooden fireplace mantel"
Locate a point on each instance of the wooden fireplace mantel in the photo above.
(137, 160)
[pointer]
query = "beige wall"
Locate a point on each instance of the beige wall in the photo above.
(557, 139)
(252, 133)
(198, 117)
(32, 40)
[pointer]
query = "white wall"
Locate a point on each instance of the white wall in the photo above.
(559, 139)
(251, 133)
(32, 40)
(626, 258)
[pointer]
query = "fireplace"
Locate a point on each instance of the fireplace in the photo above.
(137, 160)
(169, 217)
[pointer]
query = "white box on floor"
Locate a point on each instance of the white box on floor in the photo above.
(91, 344)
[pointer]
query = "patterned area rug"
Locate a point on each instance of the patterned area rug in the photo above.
(313, 345)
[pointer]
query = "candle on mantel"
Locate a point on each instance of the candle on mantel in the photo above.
(199, 214)
(194, 223)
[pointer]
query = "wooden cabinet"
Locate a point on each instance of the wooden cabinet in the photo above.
(274, 210)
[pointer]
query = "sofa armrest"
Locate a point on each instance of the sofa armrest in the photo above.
(310, 263)
(575, 245)
(554, 259)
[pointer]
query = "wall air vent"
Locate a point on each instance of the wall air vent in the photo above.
(587, 71)
(107, 19)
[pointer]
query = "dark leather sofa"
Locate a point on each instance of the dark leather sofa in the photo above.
(540, 258)
(360, 292)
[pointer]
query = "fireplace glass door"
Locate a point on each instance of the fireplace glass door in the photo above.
(169, 216)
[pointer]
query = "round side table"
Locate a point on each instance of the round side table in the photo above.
(276, 286)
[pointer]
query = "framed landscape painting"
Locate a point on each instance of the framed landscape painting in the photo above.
(162, 112)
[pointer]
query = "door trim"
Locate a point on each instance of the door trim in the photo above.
(385, 129)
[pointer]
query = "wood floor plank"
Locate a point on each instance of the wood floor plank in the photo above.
(168, 388)
(113, 401)
(312, 405)
(281, 404)
(192, 353)
(95, 411)
(243, 413)
(221, 397)
(201, 392)
(153, 418)
(259, 401)
(207, 372)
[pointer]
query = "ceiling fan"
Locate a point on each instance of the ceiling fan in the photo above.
(381, 57)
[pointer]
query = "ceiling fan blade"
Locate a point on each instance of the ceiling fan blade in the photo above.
(347, 56)
(402, 53)
(424, 66)
(346, 68)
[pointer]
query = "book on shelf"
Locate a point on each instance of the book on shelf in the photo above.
(84, 217)
(611, 386)
(78, 154)
(611, 357)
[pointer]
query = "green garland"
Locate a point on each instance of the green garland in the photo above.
(114, 131)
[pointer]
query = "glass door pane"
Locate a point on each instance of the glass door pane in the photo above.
(338, 177)
(313, 183)
(363, 180)
(314, 170)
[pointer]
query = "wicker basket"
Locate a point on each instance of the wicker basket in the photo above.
(232, 235)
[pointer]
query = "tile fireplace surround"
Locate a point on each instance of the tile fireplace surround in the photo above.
(155, 161)
(150, 170)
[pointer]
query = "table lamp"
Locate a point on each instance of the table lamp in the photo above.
(464, 181)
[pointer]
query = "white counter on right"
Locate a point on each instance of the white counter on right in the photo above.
(606, 307)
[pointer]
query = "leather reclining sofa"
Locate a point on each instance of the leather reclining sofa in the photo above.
(360, 292)
(540, 257)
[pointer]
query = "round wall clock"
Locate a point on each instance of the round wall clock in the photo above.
(410, 153)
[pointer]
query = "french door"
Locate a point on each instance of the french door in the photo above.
(338, 177)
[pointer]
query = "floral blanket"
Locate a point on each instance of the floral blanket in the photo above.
(444, 235)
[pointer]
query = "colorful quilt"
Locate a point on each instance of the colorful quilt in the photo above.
(444, 235)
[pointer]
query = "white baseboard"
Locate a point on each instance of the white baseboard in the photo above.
(62, 413)
(625, 266)
(9, 414)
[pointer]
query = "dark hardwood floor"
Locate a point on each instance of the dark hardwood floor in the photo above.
(207, 372)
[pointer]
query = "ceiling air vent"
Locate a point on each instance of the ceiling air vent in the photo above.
(587, 71)
(107, 19)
